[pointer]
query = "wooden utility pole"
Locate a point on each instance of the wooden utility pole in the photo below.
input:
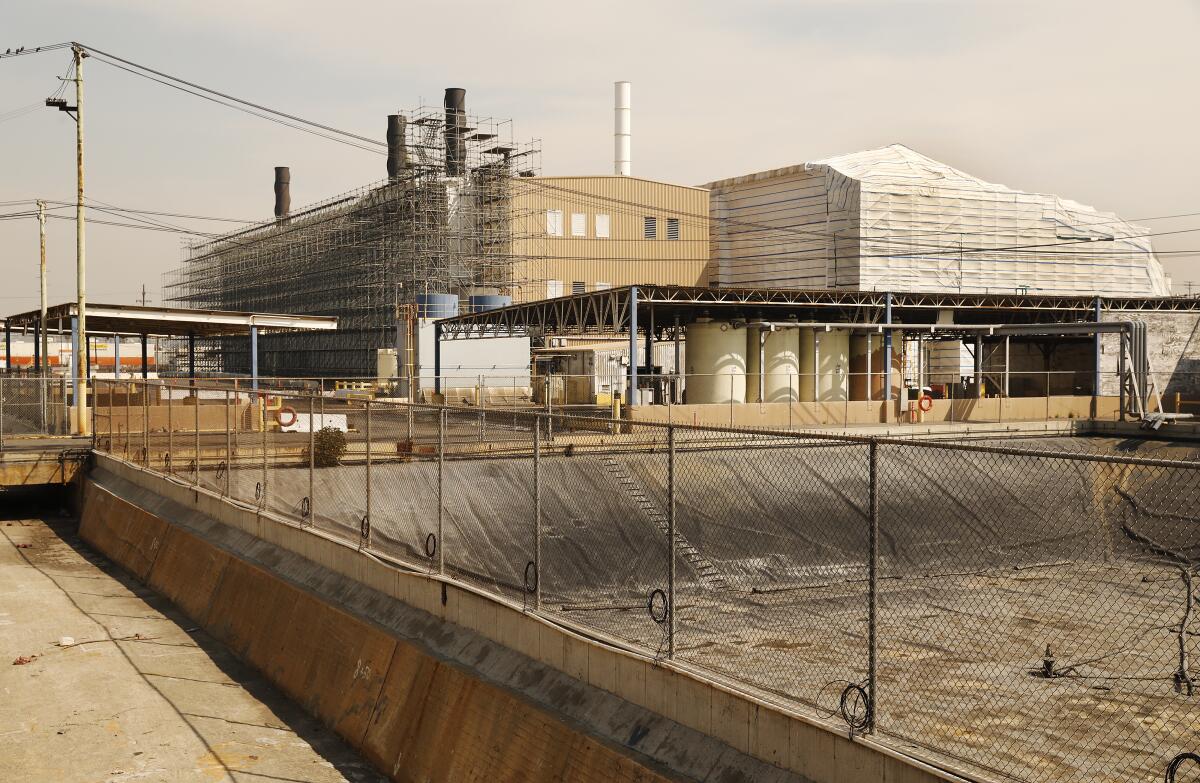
(81, 369)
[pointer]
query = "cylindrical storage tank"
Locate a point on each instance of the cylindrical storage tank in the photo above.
(781, 368)
(437, 305)
(481, 302)
(833, 365)
(806, 337)
(716, 363)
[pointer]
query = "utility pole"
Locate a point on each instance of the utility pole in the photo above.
(143, 294)
(80, 256)
(45, 338)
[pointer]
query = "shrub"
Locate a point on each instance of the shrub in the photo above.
(329, 446)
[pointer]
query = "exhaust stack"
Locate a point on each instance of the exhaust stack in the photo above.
(283, 194)
(397, 156)
(456, 120)
(622, 137)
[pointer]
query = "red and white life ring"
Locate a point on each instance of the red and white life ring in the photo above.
(925, 403)
(279, 414)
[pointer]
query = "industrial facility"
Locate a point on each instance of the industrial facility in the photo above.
(892, 219)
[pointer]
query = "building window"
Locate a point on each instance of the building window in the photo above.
(601, 226)
(650, 227)
(672, 228)
(579, 287)
(578, 224)
(554, 288)
(554, 222)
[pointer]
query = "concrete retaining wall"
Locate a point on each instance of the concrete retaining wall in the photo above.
(443, 682)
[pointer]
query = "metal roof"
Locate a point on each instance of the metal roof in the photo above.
(171, 321)
(607, 311)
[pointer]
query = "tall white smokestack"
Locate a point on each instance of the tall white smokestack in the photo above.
(622, 165)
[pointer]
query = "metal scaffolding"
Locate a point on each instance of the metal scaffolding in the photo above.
(442, 222)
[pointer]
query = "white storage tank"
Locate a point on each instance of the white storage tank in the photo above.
(716, 362)
(833, 365)
(753, 357)
(781, 370)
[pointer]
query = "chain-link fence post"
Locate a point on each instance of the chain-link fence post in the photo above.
(2, 414)
(872, 582)
(537, 513)
(196, 434)
(128, 427)
(364, 540)
(441, 516)
(170, 430)
(312, 457)
(262, 425)
(228, 441)
(670, 540)
(145, 422)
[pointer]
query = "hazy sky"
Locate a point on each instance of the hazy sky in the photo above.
(1095, 101)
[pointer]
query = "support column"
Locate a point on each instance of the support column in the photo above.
(1006, 354)
(7, 347)
(633, 346)
(254, 357)
(437, 363)
(678, 382)
(887, 348)
(1096, 350)
(117, 356)
(87, 358)
(145, 358)
(192, 356)
(978, 365)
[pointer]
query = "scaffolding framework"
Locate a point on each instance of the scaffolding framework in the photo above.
(443, 223)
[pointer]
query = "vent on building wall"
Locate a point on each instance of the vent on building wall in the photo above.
(672, 228)
(650, 227)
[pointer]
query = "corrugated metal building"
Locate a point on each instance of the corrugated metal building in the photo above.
(583, 233)
(893, 219)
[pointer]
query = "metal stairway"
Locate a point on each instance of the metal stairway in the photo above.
(703, 567)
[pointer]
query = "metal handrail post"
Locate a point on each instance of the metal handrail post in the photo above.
(671, 541)
(872, 584)
(441, 546)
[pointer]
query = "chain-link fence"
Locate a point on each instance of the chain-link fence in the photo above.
(1008, 611)
(33, 406)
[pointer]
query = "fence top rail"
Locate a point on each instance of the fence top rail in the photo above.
(585, 422)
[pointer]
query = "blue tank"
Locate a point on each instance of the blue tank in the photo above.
(437, 305)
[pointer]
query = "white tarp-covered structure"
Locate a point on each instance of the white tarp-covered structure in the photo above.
(892, 219)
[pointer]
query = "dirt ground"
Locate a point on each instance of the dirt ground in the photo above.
(139, 694)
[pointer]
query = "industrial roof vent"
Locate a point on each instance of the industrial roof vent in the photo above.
(456, 147)
(283, 194)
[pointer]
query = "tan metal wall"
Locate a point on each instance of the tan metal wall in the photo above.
(626, 257)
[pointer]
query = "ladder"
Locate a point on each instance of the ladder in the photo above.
(703, 567)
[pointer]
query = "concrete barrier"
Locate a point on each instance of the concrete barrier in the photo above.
(433, 680)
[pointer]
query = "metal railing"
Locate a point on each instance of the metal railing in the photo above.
(1012, 613)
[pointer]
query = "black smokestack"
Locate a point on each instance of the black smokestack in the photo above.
(397, 159)
(283, 193)
(456, 114)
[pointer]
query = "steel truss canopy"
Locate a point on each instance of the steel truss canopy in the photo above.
(659, 308)
(172, 321)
